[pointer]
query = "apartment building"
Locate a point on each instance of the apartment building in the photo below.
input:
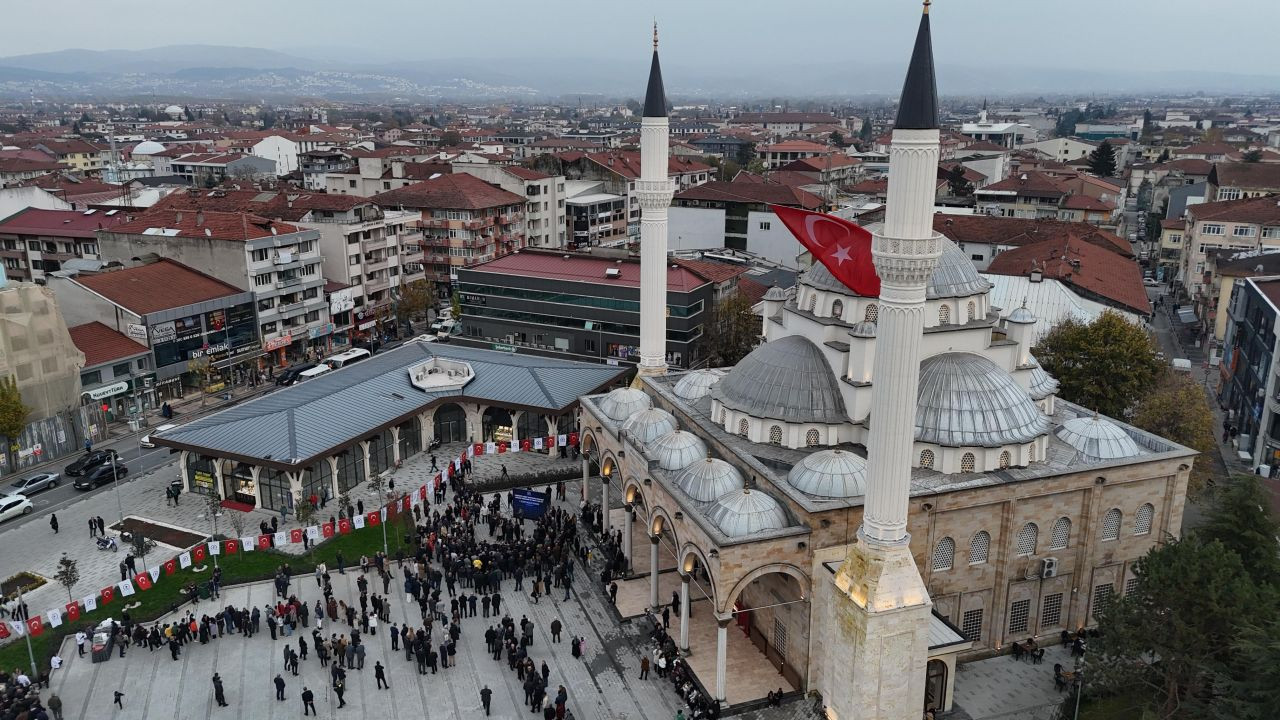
(383, 169)
(209, 169)
(77, 154)
(1248, 223)
(544, 212)
(775, 155)
(34, 241)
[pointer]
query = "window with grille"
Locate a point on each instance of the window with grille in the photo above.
(1111, 525)
(1005, 459)
(926, 459)
(1027, 539)
(1142, 521)
(971, 625)
(743, 427)
(813, 301)
(780, 637)
(723, 414)
(973, 311)
(1102, 596)
(1018, 613)
(979, 548)
(811, 438)
(967, 463)
(1061, 535)
(873, 311)
(1130, 585)
(1031, 452)
(944, 315)
(1051, 613)
(775, 435)
(944, 554)
(837, 309)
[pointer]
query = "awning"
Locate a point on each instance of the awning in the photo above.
(1187, 315)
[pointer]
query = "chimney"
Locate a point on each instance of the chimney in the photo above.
(199, 218)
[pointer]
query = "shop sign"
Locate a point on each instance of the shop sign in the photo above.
(137, 332)
(210, 349)
(367, 325)
(341, 301)
(164, 332)
(504, 348)
(319, 332)
(282, 341)
(107, 391)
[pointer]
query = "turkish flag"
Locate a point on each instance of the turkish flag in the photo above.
(502, 447)
(327, 530)
(108, 593)
(404, 504)
(479, 448)
(143, 581)
(170, 566)
(198, 553)
(344, 526)
(4, 631)
(573, 439)
(35, 626)
(845, 248)
(372, 518)
(526, 445)
(422, 491)
(73, 611)
(264, 542)
(550, 442)
(295, 535)
(232, 546)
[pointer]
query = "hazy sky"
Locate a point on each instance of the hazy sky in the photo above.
(1234, 35)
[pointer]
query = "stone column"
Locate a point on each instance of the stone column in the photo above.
(653, 572)
(364, 458)
(552, 426)
(257, 485)
(426, 428)
(515, 428)
(627, 525)
(333, 477)
(684, 612)
(722, 654)
(586, 469)
(395, 443)
(604, 502)
(295, 488)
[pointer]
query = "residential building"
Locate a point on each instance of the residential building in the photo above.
(34, 242)
(36, 350)
(775, 155)
(1225, 269)
(1108, 131)
(1244, 224)
(1168, 261)
(1064, 149)
(384, 169)
(1235, 180)
(594, 217)
(14, 170)
(315, 165)
(1004, 134)
(464, 220)
(545, 209)
(77, 154)
(737, 216)
(278, 262)
(209, 169)
(117, 373)
(983, 237)
(1067, 195)
(1249, 378)
(781, 124)
(834, 168)
(728, 147)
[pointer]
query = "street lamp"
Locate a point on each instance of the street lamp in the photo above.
(30, 653)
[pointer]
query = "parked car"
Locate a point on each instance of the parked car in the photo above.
(289, 375)
(89, 461)
(12, 506)
(100, 475)
(34, 484)
(1150, 281)
(146, 439)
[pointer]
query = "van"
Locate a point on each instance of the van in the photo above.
(316, 371)
(445, 329)
(343, 359)
(146, 439)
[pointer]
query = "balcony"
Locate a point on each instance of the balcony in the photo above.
(381, 263)
(288, 282)
(478, 224)
(434, 223)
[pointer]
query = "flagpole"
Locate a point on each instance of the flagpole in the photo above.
(26, 632)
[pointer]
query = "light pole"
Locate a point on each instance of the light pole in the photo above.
(30, 653)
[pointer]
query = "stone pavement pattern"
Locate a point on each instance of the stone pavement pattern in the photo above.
(1001, 687)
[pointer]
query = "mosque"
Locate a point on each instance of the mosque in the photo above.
(820, 530)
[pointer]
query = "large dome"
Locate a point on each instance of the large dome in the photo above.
(830, 473)
(622, 403)
(955, 276)
(696, 384)
(706, 480)
(787, 379)
(676, 450)
(967, 400)
(1097, 439)
(649, 425)
(1042, 383)
(746, 512)
(147, 147)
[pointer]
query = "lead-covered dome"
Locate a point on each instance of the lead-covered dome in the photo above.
(622, 403)
(147, 147)
(967, 400)
(1042, 383)
(1021, 316)
(746, 512)
(649, 425)
(705, 480)
(787, 379)
(1097, 439)
(676, 450)
(955, 276)
(830, 473)
(696, 384)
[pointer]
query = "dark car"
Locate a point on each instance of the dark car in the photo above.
(289, 375)
(89, 461)
(100, 475)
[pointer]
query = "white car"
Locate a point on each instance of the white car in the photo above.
(12, 506)
(1150, 282)
(160, 430)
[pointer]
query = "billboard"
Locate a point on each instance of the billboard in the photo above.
(531, 503)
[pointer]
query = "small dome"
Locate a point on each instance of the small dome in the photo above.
(649, 425)
(173, 110)
(706, 480)
(746, 512)
(147, 147)
(864, 329)
(695, 385)
(967, 400)
(1097, 438)
(622, 403)
(1021, 316)
(955, 276)
(830, 473)
(775, 294)
(676, 450)
(787, 379)
(1042, 383)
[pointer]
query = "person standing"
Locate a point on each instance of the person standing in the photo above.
(93, 527)
(53, 522)
(644, 668)
(308, 702)
(102, 526)
(218, 694)
(338, 689)
(556, 627)
(279, 687)
(486, 695)
(381, 674)
(55, 706)
(81, 637)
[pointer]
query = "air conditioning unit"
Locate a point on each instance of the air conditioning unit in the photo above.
(1049, 567)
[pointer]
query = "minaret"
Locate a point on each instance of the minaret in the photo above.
(882, 608)
(654, 189)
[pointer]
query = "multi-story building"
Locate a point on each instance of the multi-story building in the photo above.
(36, 350)
(209, 169)
(1172, 233)
(278, 262)
(781, 124)
(117, 372)
(737, 215)
(1249, 387)
(388, 168)
(1248, 223)
(545, 210)
(315, 165)
(34, 242)
(1235, 180)
(595, 217)
(775, 155)
(77, 154)
(464, 220)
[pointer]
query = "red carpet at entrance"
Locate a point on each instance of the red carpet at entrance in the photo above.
(235, 505)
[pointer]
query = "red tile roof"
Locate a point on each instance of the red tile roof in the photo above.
(752, 289)
(525, 173)
(716, 272)
(59, 223)
(160, 285)
(418, 171)
(458, 191)
(576, 267)
(236, 226)
(1174, 224)
(69, 185)
(26, 165)
(1188, 166)
(1081, 264)
(830, 161)
(992, 230)
(100, 344)
(1029, 183)
(752, 192)
(627, 163)
(1263, 210)
(1084, 202)
(1265, 176)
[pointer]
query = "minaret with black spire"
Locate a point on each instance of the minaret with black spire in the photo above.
(876, 668)
(654, 190)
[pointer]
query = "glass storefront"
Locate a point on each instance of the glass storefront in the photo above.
(451, 424)
(200, 475)
(317, 482)
(410, 438)
(350, 469)
(238, 482)
(275, 489)
(381, 453)
(497, 425)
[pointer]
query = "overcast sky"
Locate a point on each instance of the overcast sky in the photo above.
(1235, 35)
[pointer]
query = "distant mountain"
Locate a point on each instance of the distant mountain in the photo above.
(156, 60)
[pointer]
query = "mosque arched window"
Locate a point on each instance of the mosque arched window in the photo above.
(1060, 537)
(1005, 460)
(1111, 524)
(944, 315)
(967, 463)
(979, 548)
(973, 311)
(926, 459)
(1027, 537)
(837, 309)
(811, 438)
(743, 427)
(944, 554)
(873, 311)
(1142, 520)
(775, 435)
(813, 301)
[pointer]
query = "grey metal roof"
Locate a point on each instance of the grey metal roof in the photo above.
(955, 276)
(864, 329)
(1097, 438)
(697, 383)
(830, 473)
(967, 400)
(918, 105)
(746, 512)
(649, 425)
(622, 403)
(1022, 316)
(676, 450)
(655, 98)
(787, 379)
(317, 416)
(775, 294)
(1042, 383)
(706, 480)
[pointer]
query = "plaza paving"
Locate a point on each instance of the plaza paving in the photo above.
(1001, 687)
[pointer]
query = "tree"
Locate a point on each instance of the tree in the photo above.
(731, 332)
(1252, 156)
(867, 132)
(1102, 161)
(1167, 637)
(958, 185)
(455, 307)
(416, 298)
(68, 573)
(141, 545)
(450, 138)
(13, 413)
(186, 110)
(1176, 409)
(729, 170)
(1241, 519)
(1146, 118)
(837, 138)
(237, 520)
(1164, 156)
(1105, 365)
(306, 513)
(634, 106)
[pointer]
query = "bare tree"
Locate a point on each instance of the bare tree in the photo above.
(68, 574)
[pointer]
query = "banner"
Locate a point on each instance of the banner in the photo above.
(295, 536)
(232, 546)
(185, 560)
(171, 565)
(375, 517)
(327, 530)
(55, 617)
(526, 445)
(215, 548)
(358, 522)
(90, 603)
(264, 542)
(573, 439)
(199, 552)
(108, 594)
(17, 627)
(562, 440)
(35, 626)
(282, 538)
(248, 541)
(537, 443)
(313, 532)
(155, 574)
(126, 587)
(490, 448)
(344, 526)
